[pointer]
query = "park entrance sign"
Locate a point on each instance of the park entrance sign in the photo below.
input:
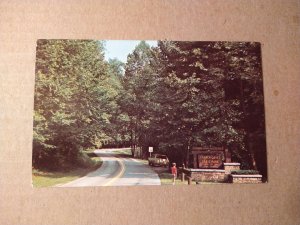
(208, 157)
(210, 160)
(213, 164)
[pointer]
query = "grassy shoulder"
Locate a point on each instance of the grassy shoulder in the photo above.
(124, 152)
(166, 178)
(52, 178)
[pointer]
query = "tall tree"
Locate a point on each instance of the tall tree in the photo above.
(139, 81)
(72, 99)
(219, 84)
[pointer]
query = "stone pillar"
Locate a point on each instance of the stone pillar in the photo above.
(195, 161)
(227, 156)
(228, 167)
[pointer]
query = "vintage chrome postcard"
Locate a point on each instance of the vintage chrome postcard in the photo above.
(123, 113)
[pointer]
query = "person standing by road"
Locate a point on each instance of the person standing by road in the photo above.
(174, 172)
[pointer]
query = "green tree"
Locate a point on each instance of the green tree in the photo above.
(138, 83)
(217, 88)
(72, 100)
(172, 97)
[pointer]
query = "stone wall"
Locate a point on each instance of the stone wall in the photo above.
(228, 167)
(211, 175)
(242, 179)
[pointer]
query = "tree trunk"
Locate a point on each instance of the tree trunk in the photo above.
(247, 139)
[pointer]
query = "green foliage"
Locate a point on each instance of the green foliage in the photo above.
(244, 172)
(139, 87)
(184, 94)
(171, 97)
(74, 98)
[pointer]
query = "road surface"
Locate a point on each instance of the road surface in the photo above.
(117, 170)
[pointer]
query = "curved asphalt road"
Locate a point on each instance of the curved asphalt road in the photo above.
(117, 171)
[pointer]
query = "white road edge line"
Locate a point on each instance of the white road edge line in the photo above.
(134, 160)
(120, 174)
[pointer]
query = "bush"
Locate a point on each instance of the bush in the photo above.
(244, 172)
(84, 161)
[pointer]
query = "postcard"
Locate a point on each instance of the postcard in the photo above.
(126, 113)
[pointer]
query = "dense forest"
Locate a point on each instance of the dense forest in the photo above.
(172, 97)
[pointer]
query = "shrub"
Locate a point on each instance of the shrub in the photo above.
(244, 172)
(84, 161)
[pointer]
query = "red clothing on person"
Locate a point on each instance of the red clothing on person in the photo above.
(174, 170)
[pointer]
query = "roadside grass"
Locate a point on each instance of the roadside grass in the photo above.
(52, 178)
(126, 152)
(166, 178)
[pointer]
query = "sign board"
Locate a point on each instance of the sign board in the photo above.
(150, 149)
(208, 157)
(210, 160)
